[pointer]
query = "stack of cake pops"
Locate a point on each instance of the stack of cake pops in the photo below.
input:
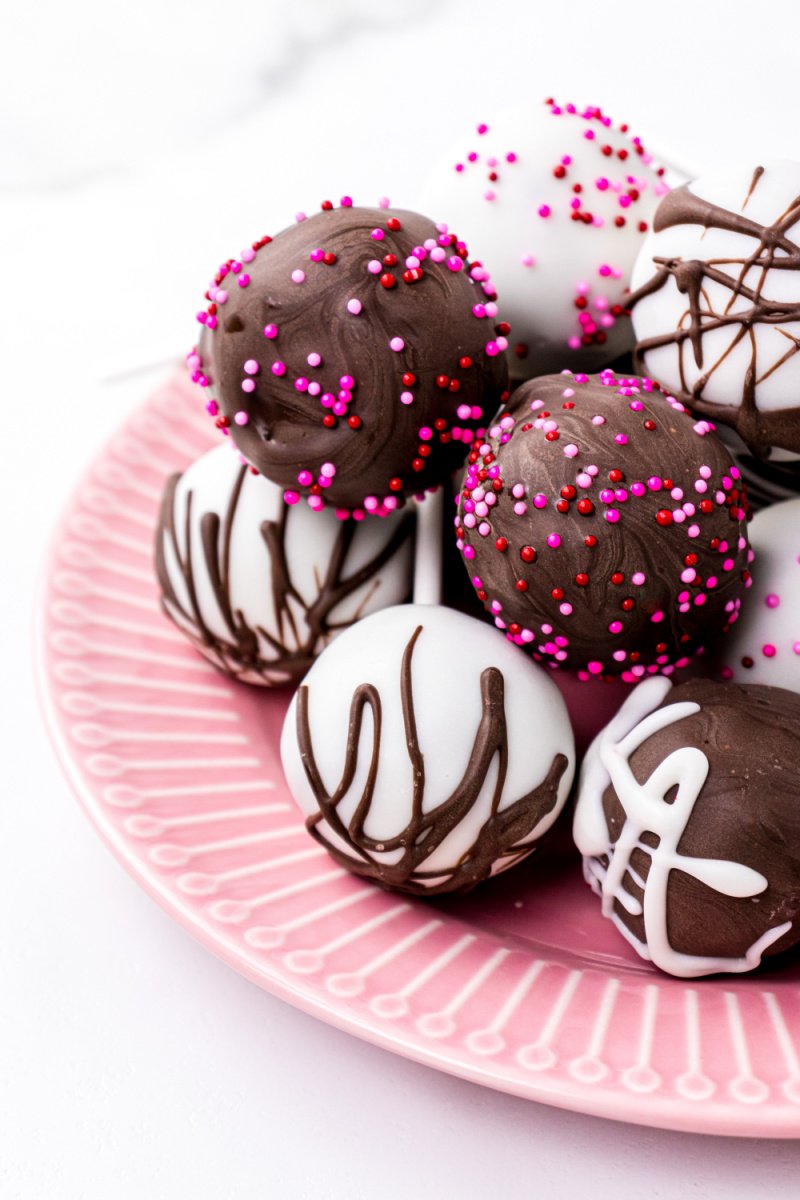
(357, 366)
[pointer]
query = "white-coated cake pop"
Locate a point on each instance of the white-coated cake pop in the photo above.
(558, 200)
(261, 587)
(764, 644)
(716, 301)
(426, 752)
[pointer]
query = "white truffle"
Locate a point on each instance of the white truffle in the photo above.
(497, 188)
(427, 752)
(764, 644)
(261, 587)
(716, 301)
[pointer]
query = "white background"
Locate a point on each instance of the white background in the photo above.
(139, 145)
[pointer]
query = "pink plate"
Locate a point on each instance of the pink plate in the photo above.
(522, 986)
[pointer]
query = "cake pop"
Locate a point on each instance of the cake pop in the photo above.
(765, 645)
(688, 818)
(716, 302)
(603, 526)
(425, 752)
(352, 357)
(557, 200)
(261, 587)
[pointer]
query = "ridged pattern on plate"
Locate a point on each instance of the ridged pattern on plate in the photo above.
(179, 770)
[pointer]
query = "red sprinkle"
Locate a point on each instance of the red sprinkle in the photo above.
(501, 544)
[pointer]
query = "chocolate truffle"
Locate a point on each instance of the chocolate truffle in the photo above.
(353, 357)
(716, 301)
(426, 753)
(764, 646)
(688, 818)
(558, 201)
(603, 527)
(261, 587)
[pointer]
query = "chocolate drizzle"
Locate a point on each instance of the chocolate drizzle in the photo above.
(304, 628)
(502, 836)
(760, 430)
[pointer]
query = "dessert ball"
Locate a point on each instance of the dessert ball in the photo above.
(603, 526)
(688, 818)
(764, 647)
(261, 587)
(716, 301)
(352, 357)
(426, 753)
(557, 200)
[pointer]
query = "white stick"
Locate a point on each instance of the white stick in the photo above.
(428, 551)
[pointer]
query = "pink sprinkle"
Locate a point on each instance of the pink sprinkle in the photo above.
(299, 216)
(301, 384)
(241, 418)
(316, 255)
(598, 420)
(768, 651)
(544, 211)
(657, 616)
(528, 260)
(469, 552)
(693, 531)
(298, 276)
(654, 483)
(594, 668)
(211, 322)
(408, 398)
(328, 470)
(377, 235)
(304, 478)
(346, 381)
(291, 497)
(278, 368)
(397, 343)
(611, 515)
(570, 450)
(251, 366)
(565, 609)
(271, 331)
(638, 578)
(383, 202)
(620, 439)
(492, 349)
(346, 202)
(374, 267)
(772, 601)
(615, 627)
(354, 306)
(248, 385)
(553, 540)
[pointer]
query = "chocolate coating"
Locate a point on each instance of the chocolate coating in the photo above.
(748, 812)
(616, 539)
(425, 312)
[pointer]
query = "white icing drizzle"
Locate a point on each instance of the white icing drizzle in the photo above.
(646, 810)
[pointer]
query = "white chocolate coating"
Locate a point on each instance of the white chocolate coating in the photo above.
(767, 632)
(646, 810)
(309, 543)
(449, 656)
(675, 367)
(539, 264)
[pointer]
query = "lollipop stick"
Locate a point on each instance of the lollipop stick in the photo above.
(428, 552)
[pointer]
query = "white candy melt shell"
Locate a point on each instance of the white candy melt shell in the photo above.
(777, 382)
(449, 656)
(767, 632)
(521, 229)
(310, 540)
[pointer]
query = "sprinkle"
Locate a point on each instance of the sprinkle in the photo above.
(298, 276)
(270, 331)
(598, 420)
(251, 366)
(374, 267)
(407, 398)
(571, 450)
(291, 497)
(396, 344)
(248, 385)
(278, 368)
(377, 235)
(354, 306)
(241, 418)
(772, 601)
(553, 540)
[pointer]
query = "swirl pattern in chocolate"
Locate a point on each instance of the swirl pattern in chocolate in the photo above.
(603, 527)
(688, 817)
(353, 357)
(737, 332)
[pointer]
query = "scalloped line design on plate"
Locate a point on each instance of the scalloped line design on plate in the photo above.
(521, 987)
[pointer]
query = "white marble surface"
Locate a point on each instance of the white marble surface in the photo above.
(139, 144)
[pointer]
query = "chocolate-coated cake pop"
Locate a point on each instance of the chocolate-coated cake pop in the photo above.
(765, 645)
(352, 357)
(425, 752)
(261, 587)
(716, 301)
(603, 526)
(557, 200)
(688, 818)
